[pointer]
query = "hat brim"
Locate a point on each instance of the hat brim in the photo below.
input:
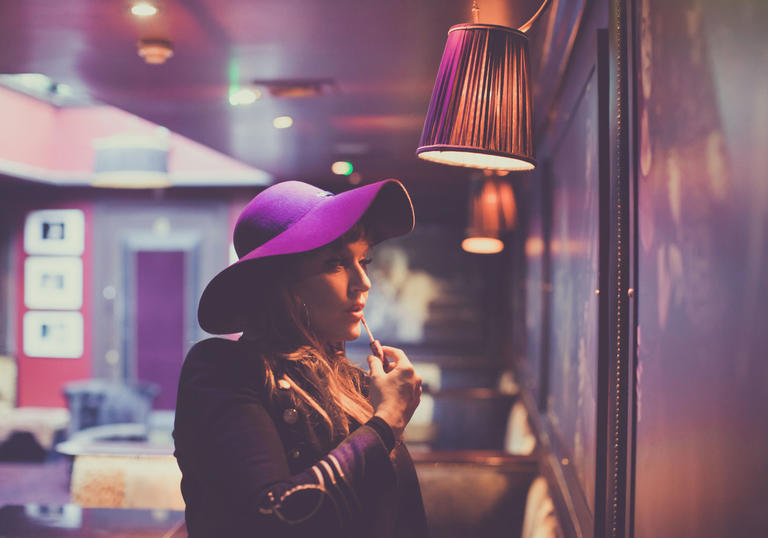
(386, 206)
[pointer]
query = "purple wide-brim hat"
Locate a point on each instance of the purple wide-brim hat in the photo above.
(293, 217)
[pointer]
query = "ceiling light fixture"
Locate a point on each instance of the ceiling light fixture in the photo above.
(282, 122)
(244, 96)
(143, 9)
(155, 51)
(481, 111)
(492, 213)
(132, 161)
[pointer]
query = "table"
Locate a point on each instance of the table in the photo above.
(42, 520)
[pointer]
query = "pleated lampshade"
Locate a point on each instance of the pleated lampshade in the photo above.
(481, 112)
(492, 212)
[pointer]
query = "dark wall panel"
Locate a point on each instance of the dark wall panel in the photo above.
(574, 247)
(702, 380)
(566, 202)
(536, 289)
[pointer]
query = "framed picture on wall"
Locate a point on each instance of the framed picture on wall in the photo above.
(53, 282)
(55, 232)
(53, 334)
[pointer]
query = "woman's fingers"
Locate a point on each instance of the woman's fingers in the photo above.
(397, 357)
(375, 364)
(395, 389)
(418, 385)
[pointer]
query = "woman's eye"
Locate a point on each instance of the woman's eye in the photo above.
(366, 262)
(334, 263)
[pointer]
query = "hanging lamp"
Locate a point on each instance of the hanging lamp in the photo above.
(481, 111)
(492, 212)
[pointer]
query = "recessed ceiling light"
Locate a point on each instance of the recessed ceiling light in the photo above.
(155, 51)
(244, 96)
(282, 122)
(342, 168)
(143, 9)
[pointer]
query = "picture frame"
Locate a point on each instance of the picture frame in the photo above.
(53, 283)
(58, 232)
(53, 334)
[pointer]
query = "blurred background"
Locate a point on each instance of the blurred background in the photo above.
(601, 375)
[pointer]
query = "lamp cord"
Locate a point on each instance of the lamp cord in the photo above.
(475, 12)
(524, 28)
(527, 26)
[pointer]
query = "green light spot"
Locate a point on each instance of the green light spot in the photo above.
(342, 168)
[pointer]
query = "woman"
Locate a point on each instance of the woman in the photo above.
(278, 434)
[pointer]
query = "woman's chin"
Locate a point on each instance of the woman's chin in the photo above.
(354, 333)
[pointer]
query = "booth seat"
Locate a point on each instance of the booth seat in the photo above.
(475, 493)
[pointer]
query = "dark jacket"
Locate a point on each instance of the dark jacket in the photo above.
(248, 468)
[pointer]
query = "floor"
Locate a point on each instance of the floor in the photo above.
(46, 482)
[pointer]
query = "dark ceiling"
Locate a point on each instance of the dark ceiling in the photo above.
(382, 56)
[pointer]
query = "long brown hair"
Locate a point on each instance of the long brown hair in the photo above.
(323, 381)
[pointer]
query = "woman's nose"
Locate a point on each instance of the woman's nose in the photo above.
(359, 280)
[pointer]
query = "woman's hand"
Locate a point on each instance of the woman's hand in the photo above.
(395, 393)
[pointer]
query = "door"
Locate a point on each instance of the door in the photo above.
(159, 320)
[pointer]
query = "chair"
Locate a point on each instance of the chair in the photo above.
(98, 402)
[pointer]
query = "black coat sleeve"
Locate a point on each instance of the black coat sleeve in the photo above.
(235, 474)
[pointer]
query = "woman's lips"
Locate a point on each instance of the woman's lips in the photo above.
(357, 314)
(356, 311)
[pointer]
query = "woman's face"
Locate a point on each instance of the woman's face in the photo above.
(333, 284)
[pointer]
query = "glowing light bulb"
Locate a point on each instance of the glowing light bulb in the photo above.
(244, 96)
(482, 245)
(282, 122)
(143, 9)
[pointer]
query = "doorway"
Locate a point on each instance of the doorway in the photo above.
(159, 321)
(151, 262)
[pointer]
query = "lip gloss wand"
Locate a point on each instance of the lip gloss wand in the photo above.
(375, 345)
